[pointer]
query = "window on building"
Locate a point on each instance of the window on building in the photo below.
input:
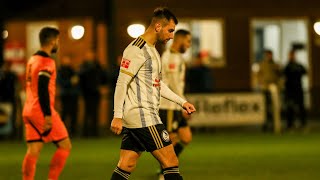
(207, 38)
(280, 35)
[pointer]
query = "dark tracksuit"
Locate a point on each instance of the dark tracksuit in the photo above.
(294, 93)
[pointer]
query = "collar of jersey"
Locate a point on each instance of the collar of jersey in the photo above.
(42, 53)
(149, 44)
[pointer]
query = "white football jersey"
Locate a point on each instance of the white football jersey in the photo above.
(173, 74)
(140, 79)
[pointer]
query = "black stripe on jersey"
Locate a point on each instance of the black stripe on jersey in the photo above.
(139, 42)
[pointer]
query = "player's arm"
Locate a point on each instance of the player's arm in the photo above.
(44, 99)
(131, 62)
(169, 68)
(170, 95)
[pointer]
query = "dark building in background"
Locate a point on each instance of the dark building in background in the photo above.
(235, 75)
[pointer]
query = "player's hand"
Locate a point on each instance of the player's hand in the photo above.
(189, 108)
(116, 126)
(186, 115)
(47, 125)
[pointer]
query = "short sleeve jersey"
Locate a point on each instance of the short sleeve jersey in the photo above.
(173, 74)
(142, 62)
(40, 62)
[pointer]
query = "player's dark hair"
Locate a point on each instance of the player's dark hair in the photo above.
(292, 51)
(269, 51)
(47, 34)
(164, 13)
(182, 32)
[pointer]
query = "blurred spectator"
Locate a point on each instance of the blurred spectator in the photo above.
(293, 91)
(269, 74)
(8, 80)
(68, 82)
(199, 77)
(8, 85)
(91, 78)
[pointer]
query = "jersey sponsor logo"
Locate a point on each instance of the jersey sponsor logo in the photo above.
(172, 66)
(165, 136)
(125, 63)
(156, 82)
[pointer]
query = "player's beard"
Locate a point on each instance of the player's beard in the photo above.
(54, 49)
(182, 49)
(164, 41)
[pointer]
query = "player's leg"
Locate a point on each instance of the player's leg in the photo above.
(60, 137)
(184, 133)
(169, 162)
(30, 159)
(126, 165)
(174, 137)
(185, 137)
(59, 158)
(130, 152)
(170, 120)
(160, 146)
(34, 146)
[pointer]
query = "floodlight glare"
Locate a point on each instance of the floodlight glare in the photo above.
(77, 32)
(316, 27)
(135, 30)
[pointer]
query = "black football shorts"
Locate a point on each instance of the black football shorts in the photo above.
(145, 139)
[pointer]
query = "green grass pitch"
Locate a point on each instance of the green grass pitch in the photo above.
(222, 156)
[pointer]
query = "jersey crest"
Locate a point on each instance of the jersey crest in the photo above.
(165, 136)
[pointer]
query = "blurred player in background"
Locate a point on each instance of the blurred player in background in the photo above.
(137, 100)
(173, 74)
(42, 122)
